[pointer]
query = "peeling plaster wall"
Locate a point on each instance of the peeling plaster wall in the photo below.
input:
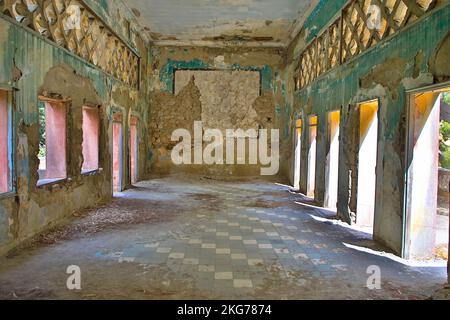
(226, 97)
(34, 66)
(170, 110)
(418, 56)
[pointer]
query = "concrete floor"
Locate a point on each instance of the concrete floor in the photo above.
(190, 238)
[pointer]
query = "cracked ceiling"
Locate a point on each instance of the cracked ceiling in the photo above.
(182, 22)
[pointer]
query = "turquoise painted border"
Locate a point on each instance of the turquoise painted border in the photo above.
(167, 72)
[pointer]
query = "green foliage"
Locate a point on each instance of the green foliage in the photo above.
(444, 145)
(446, 98)
(42, 148)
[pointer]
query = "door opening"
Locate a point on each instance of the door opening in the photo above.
(298, 154)
(312, 153)
(428, 175)
(332, 163)
(133, 149)
(117, 154)
(367, 163)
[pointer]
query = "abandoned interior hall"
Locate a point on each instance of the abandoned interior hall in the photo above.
(224, 149)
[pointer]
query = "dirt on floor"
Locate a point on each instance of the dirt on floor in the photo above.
(116, 247)
(266, 204)
(107, 217)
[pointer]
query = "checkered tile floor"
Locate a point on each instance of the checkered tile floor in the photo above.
(237, 247)
(232, 250)
(250, 240)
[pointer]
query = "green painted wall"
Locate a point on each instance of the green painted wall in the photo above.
(341, 87)
(25, 59)
(321, 16)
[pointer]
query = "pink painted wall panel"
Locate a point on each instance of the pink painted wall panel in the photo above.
(91, 132)
(4, 152)
(117, 157)
(55, 131)
(133, 150)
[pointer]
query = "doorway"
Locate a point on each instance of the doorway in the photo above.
(297, 153)
(312, 153)
(428, 175)
(117, 154)
(332, 162)
(133, 149)
(367, 163)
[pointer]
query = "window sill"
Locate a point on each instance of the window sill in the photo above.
(49, 182)
(7, 195)
(91, 172)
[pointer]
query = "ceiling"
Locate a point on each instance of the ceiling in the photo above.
(266, 22)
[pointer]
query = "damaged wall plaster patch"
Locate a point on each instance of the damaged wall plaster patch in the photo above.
(389, 74)
(440, 65)
(257, 108)
(63, 81)
(421, 80)
(226, 97)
